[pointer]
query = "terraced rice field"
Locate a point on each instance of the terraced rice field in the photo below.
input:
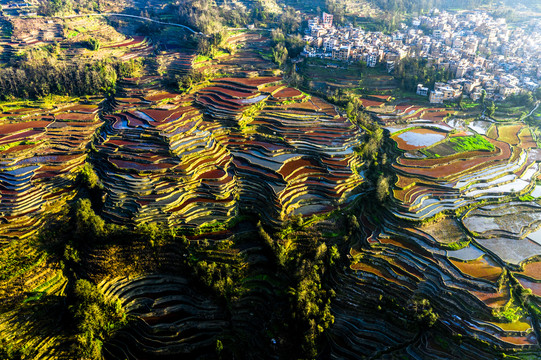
(217, 161)
(509, 133)
(193, 320)
(371, 103)
(480, 126)
(250, 144)
(445, 178)
(40, 160)
(452, 173)
(508, 231)
(409, 261)
(479, 269)
(533, 270)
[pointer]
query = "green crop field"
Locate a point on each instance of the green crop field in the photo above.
(471, 143)
(458, 145)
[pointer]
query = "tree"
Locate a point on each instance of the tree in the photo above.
(279, 54)
(205, 47)
(334, 255)
(423, 312)
(89, 177)
(88, 225)
(350, 107)
(277, 35)
(483, 96)
(362, 65)
(528, 99)
(537, 93)
(92, 44)
(491, 109)
(459, 101)
(219, 348)
(294, 45)
(382, 188)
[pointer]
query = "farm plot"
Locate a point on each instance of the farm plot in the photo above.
(509, 133)
(480, 126)
(483, 268)
(323, 75)
(417, 138)
(532, 270)
(446, 231)
(509, 231)
(460, 144)
(515, 220)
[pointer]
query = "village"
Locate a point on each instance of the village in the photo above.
(484, 56)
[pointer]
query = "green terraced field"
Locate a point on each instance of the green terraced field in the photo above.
(454, 145)
(470, 143)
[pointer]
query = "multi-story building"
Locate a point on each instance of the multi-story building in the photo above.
(461, 71)
(329, 44)
(327, 20)
(436, 97)
(422, 90)
(341, 53)
(371, 59)
(479, 50)
(448, 92)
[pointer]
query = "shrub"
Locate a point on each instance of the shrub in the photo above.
(92, 44)
(423, 312)
(89, 178)
(508, 314)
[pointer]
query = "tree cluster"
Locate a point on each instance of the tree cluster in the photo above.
(96, 318)
(208, 46)
(92, 44)
(526, 99)
(371, 150)
(311, 304)
(338, 9)
(423, 312)
(38, 78)
(414, 71)
(64, 7)
(185, 82)
(208, 18)
(221, 277)
(306, 268)
(289, 21)
(285, 46)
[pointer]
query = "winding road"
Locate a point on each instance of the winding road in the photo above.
(133, 17)
(535, 108)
